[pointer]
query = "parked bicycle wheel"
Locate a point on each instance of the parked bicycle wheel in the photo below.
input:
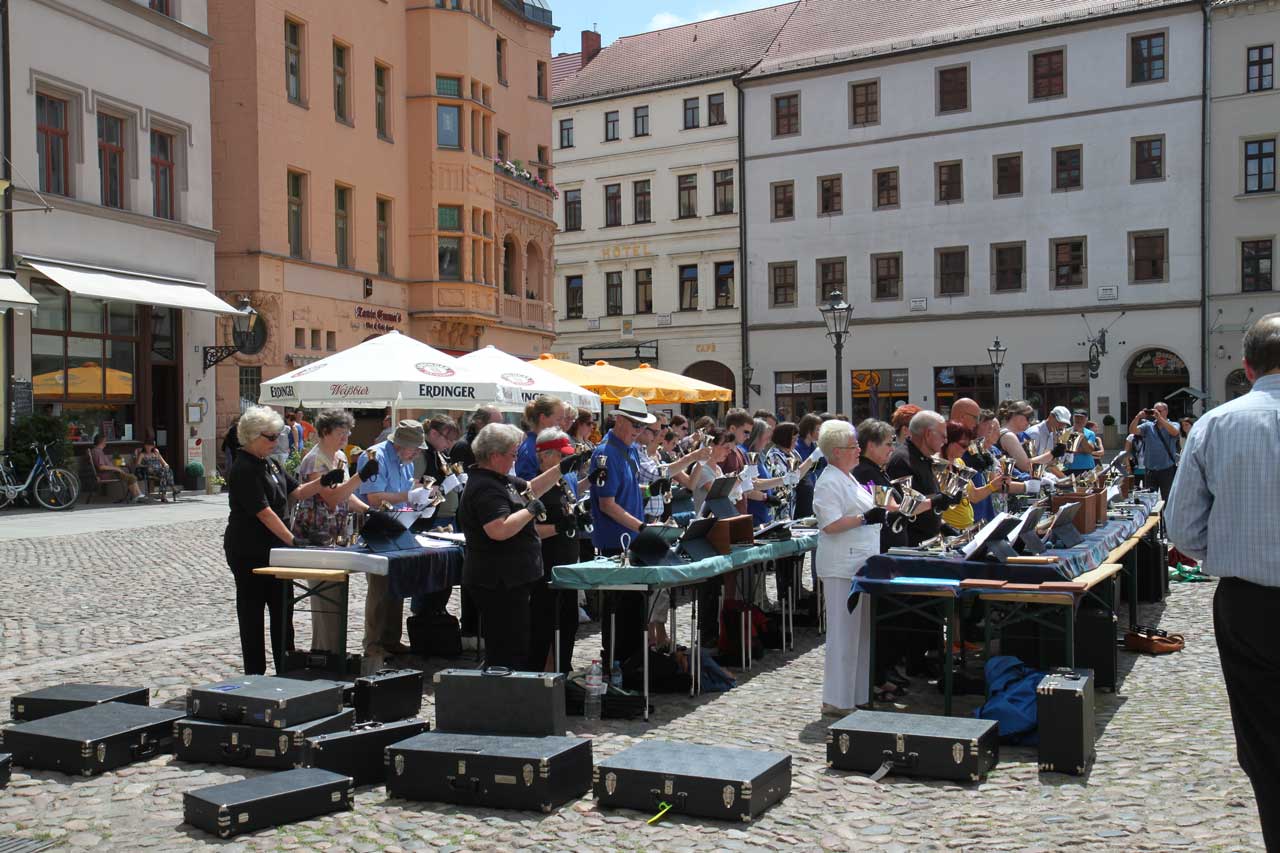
(57, 489)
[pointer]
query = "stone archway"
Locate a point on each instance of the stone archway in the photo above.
(512, 266)
(717, 374)
(1238, 384)
(1154, 374)
(535, 286)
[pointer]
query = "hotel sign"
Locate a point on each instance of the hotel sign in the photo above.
(624, 250)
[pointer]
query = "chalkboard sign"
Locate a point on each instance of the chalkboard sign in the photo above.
(22, 400)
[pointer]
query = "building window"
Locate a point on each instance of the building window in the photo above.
(612, 205)
(864, 103)
(381, 75)
(688, 287)
(341, 106)
(953, 89)
(1148, 159)
(950, 181)
(877, 392)
(886, 188)
(976, 381)
(1068, 257)
(161, 6)
(644, 291)
(724, 284)
(640, 121)
(250, 384)
(613, 293)
(784, 200)
(111, 159)
(723, 190)
(448, 87)
(384, 236)
(690, 113)
(1146, 58)
(573, 210)
(831, 278)
(504, 145)
(1008, 267)
(300, 338)
(1260, 71)
(1068, 172)
(293, 60)
(786, 115)
(297, 214)
(796, 393)
(449, 258)
(342, 225)
(573, 297)
(544, 159)
(1260, 166)
(1255, 265)
(715, 109)
(315, 339)
(331, 341)
(1149, 251)
(782, 284)
(52, 137)
(641, 196)
(502, 60)
(449, 217)
(566, 133)
(448, 126)
(886, 276)
(687, 196)
(1048, 74)
(1064, 383)
(611, 126)
(1008, 175)
(830, 195)
(541, 74)
(953, 272)
(162, 175)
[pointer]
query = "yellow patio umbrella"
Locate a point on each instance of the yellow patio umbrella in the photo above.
(85, 381)
(611, 383)
(703, 392)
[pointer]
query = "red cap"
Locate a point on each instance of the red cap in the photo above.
(562, 444)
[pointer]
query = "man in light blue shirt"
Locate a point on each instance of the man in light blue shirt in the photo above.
(1159, 437)
(1223, 511)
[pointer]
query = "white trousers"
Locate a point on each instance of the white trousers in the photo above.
(847, 679)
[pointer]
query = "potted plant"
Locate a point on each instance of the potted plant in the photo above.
(214, 483)
(1110, 435)
(193, 476)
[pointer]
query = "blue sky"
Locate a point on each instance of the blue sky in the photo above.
(614, 19)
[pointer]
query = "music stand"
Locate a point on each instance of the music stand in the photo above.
(1024, 538)
(1063, 529)
(991, 542)
(694, 544)
(389, 531)
(717, 502)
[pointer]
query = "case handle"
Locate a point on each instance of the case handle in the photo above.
(229, 714)
(235, 751)
(496, 671)
(146, 749)
(466, 786)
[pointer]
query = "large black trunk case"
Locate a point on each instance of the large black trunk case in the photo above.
(390, 695)
(62, 698)
(705, 781)
(500, 702)
(234, 745)
(1096, 648)
(6, 765)
(960, 749)
(1064, 712)
(490, 770)
(271, 800)
(92, 740)
(359, 753)
(265, 700)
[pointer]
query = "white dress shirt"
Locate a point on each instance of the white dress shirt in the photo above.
(841, 555)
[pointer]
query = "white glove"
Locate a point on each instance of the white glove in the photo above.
(462, 478)
(735, 494)
(451, 484)
(419, 498)
(1033, 486)
(791, 478)
(816, 456)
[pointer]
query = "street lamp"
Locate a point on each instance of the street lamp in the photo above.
(747, 388)
(244, 335)
(996, 352)
(836, 314)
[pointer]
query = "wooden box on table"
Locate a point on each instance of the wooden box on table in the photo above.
(727, 532)
(1101, 509)
(1086, 517)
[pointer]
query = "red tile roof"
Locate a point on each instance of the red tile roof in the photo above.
(700, 51)
(563, 67)
(823, 32)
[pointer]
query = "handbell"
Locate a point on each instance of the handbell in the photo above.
(599, 475)
(529, 496)
(883, 494)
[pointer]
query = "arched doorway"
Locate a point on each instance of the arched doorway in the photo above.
(511, 270)
(1238, 384)
(717, 374)
(533, 271)
(1153, 375)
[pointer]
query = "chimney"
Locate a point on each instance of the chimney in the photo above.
(590, 46)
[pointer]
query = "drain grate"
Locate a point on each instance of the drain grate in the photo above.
(23, 845)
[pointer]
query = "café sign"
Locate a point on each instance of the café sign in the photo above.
(378, 320)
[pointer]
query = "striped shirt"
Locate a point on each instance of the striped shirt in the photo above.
(1222, 508)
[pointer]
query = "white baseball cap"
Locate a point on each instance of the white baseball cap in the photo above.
(1061, 414)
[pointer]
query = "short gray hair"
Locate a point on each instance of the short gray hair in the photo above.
(759, 426)
(256, 420)
(570, 413)
(835, 433)
(923, 421)
(494, 439)
(550, 434)
(872, 431)
(334, 419)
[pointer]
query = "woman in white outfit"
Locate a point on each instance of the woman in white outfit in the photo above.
(849, 533)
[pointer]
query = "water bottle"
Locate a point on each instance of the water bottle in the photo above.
(595, 689)
(615, 675)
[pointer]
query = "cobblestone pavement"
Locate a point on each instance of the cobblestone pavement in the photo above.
(153, 606)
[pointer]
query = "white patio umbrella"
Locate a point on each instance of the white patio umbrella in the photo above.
(529, 380)
(389, 370)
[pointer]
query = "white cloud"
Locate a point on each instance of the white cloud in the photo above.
(663, 20)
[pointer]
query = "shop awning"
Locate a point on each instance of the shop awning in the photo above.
(13, 295)
(120, 286)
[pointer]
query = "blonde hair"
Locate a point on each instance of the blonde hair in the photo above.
(256, 420)
(835, 433)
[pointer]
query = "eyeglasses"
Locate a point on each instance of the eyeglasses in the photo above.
(269, 436)
(847, 447)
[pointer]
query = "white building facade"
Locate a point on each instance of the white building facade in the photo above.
(1244, 207)
(111, 132)
(1000, 182)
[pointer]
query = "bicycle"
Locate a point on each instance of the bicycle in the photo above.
(52, 487)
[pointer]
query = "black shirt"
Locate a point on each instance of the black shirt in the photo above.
(254, 484)
(908, 461)
(461, 451)
(488, 563)
(558, 550)
(865, 472)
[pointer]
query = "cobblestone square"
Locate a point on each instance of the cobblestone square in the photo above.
(152, 605)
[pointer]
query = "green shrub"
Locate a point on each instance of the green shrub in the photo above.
(194, 469)
(40, 429)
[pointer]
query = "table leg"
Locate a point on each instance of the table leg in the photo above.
(1131, 573)
(286, 623)
(613, 648)
(343, 601)
(869, 601)
(644, 650)
(1070, 634)
(948, 658)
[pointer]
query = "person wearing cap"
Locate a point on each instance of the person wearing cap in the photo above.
(549, 608)
(1086, 458)
(617, 510)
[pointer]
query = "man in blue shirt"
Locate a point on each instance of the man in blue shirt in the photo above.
(1222, 511)
(1159, 446)
(1086, 459)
